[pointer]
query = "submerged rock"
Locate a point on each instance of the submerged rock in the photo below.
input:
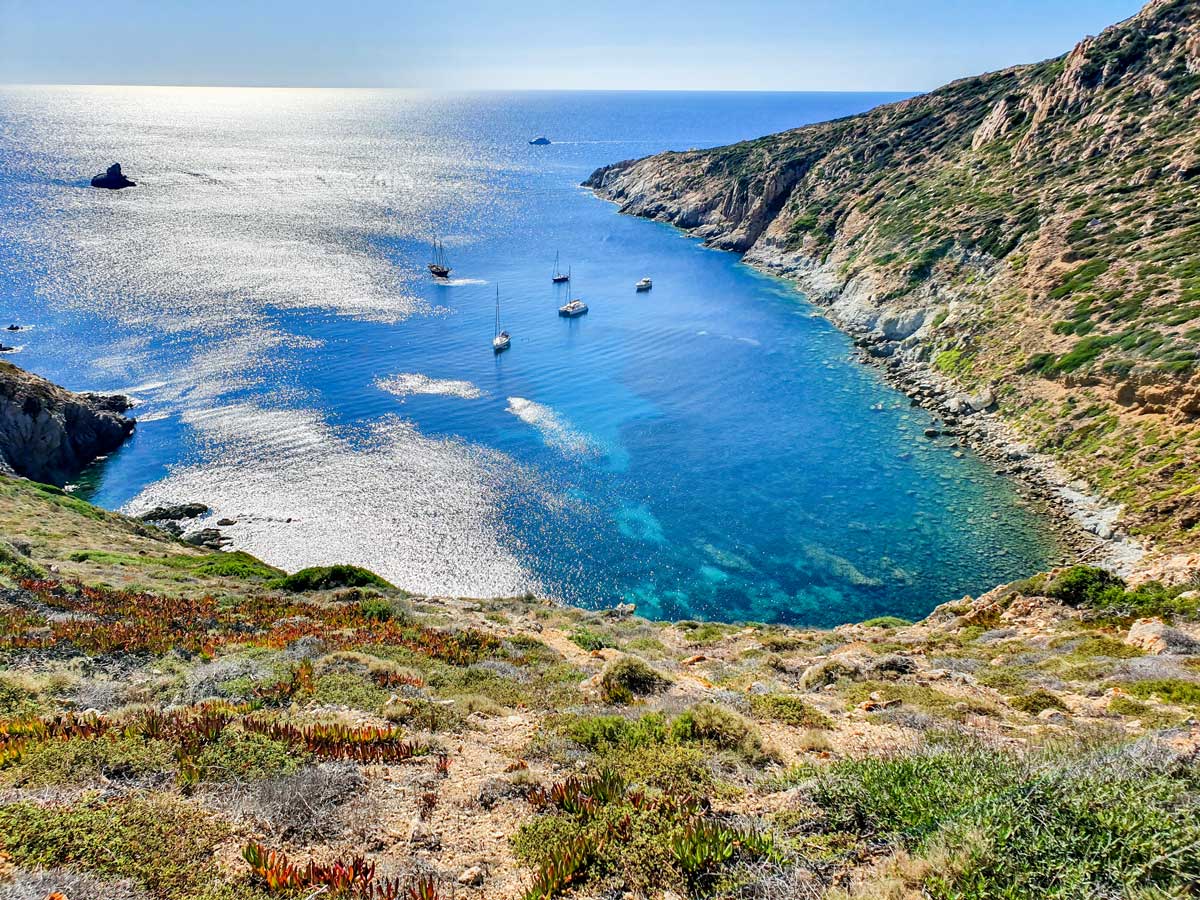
(113, 179)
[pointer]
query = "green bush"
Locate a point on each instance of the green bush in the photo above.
(348, 689)
(163, 844)
(721, 727)
(886, 622)
(588, 639)
(324, 578)
(242, 755)
(789, 709)
(1170, 690)
(1084, 586)
(601, 734)
(1119, 829)
(629, 677)
(16, 700)
(1036, 701)
(83, 761)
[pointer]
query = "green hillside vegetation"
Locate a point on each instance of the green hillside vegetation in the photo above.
(182, 724)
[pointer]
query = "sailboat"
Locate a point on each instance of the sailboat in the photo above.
(503, 339)
(559, 277)
(438, 266)
(573, 308)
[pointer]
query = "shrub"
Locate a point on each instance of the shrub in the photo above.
(84, 760)
(886, 622)
(348, 689)
(16, 700)
(675, 770)
(629, 677)
(719, 726)
(1084, 586)
(302, 806)
(323, 578)
(588, 639)
(377, 609)
(604, 733)
(1170, 690)
(241, 755)
(1036, 701)
(789, 709)
(162, 843)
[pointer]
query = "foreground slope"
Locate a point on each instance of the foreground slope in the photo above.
(1033, 231)
(172, 720)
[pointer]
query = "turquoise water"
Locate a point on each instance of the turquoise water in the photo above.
(706, 450)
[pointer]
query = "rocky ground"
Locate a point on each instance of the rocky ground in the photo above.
(171, 715)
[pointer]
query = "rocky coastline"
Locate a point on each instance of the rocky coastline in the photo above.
(50, 434)
(893, 342)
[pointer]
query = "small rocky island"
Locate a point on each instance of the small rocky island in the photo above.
(112, 178)
(50, 434)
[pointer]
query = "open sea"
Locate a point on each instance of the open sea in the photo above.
(705, 450)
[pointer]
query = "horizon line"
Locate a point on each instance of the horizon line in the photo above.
(463, 90)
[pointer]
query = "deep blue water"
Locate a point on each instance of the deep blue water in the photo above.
(707, 450)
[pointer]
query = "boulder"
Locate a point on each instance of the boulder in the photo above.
(1156, 637)
(112, 179)
(174, 513)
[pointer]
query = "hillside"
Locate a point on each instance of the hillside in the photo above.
(190, 725)
(1033, 233)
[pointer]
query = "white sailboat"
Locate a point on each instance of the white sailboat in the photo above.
(503, 340)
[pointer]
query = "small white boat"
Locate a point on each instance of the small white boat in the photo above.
(503, 340)
(574, 308)
(644, 285)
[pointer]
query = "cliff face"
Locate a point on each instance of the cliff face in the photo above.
(48, 433)
(1033, 230)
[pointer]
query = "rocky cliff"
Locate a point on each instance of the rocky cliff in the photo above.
(48, 433)
(1031, 232)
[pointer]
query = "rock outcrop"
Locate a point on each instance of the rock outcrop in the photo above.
(1029, 233)
(113, 179)
(50, 434)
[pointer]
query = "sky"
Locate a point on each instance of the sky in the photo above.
(902, 45)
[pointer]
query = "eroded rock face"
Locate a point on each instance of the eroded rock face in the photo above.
(50, 434)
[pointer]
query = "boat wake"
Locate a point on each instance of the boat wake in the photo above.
(409, 383)
(556, 431)
(458, 282)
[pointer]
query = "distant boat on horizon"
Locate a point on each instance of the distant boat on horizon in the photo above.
(438, 266)
(560, 277)
(503, 340)
(541, 141)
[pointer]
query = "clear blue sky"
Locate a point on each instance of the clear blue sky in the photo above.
(467, 44)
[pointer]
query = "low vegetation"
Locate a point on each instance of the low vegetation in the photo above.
(194, 731)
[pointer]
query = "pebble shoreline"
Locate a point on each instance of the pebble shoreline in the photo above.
(1087, 525)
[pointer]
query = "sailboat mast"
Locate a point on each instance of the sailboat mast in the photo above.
(497, 310)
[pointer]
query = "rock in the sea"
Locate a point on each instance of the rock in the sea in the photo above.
(113, 179)
(209, 538)
(50, 434)
(174, 513)
(1156, 637)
